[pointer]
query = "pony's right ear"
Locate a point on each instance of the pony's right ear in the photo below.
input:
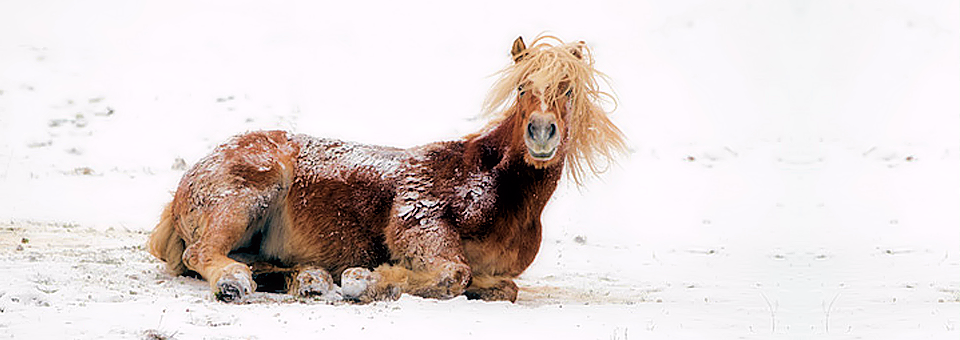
(518, 49)
(577, 49)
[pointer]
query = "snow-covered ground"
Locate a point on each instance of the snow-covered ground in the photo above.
(793, 170)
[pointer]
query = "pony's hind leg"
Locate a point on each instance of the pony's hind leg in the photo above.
(224, 200)
(302, 280)
(230, 280)
(313, 281)
(224, 226)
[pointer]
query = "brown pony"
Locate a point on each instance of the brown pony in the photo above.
(437, 221)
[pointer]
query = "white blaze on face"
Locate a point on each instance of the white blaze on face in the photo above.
(543, 105)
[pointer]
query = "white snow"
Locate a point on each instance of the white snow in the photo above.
(793, 166)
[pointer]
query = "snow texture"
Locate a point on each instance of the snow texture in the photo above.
(792, 174)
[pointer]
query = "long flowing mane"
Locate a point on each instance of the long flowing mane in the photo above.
(593, 141)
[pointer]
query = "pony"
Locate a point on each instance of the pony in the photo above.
(338, 220)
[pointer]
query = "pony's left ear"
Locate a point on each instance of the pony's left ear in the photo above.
(577, 49)
(517, 50)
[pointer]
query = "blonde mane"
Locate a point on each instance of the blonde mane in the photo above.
(593, 141)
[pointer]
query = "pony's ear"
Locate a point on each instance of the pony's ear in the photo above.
(577, 50)
(517, 50)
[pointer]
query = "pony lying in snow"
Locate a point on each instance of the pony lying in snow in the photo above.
(436, 221)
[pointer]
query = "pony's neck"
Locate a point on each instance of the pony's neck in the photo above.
(522, 190)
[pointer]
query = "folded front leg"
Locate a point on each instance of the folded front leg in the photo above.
(428, 262)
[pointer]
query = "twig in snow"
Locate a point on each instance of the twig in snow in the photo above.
(826, 311)
(773, 312)
(734, 153)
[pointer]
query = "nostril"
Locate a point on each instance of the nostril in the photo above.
(531, 131)
(553, 130)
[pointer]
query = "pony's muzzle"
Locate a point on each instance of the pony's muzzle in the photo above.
(542, 135)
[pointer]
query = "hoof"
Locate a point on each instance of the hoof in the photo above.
(362, 285)
(355, 281)
(233, 287)
(454, 279)
(504, 290)
(229, 292)
(316, 283)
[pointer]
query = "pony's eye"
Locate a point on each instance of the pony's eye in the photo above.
(520, 90)
(569, 92)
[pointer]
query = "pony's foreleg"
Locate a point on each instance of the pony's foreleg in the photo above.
(362, 285)
(387, 282)
(492, 288)
(220, 231)
(429, 263)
